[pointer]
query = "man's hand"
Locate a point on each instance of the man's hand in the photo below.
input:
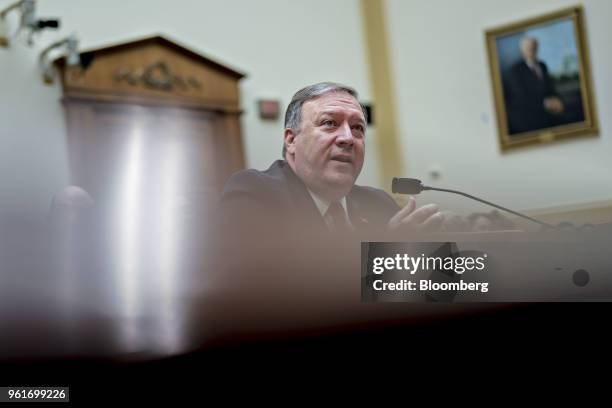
(423, 219)
(553, 105)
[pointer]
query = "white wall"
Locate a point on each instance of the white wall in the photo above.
(281, 46)
(446, 108)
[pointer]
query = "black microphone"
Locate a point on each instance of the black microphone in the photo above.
(414, 186)
(406, 186)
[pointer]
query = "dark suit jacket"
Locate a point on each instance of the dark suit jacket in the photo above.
(525, 94)
(277, 201)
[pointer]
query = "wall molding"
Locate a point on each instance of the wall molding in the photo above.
(381, 82)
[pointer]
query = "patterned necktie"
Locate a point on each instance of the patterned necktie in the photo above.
(335, 213)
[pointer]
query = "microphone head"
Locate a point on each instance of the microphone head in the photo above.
(406, 186)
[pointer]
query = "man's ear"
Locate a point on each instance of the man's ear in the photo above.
(290, 140)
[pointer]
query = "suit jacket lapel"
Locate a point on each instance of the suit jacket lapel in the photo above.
(356, 214)
(303, 204)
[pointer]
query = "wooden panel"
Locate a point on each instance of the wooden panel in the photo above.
(230, 146)
(154, 155)
(206, 146)
(183, 107)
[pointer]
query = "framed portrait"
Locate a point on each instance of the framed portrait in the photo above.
(542, 79)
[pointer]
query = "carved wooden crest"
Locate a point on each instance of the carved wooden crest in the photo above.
(158, 76)
(152, 69)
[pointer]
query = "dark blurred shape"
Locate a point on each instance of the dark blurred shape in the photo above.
(86, 59)
(369, 113)
(51, 23)
(268, 109)
(581, 277)
(406, 186)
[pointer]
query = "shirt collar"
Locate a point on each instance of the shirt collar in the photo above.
(323, 204)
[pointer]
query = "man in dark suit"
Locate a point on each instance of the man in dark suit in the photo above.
(287, 256)
(314, 187)
(531, 98)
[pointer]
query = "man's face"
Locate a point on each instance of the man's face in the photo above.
(529, 49)
(327, 153)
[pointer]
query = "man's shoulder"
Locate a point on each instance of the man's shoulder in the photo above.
(256, 181)
(519, 67)
(252, 199)
(543, 66)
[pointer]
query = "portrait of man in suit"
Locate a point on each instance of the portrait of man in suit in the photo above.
(313, 186)
(532, 100)
(541, 79)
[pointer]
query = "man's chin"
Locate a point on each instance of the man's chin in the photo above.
(342, 181)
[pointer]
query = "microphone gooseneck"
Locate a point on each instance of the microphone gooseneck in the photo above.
(415, 186)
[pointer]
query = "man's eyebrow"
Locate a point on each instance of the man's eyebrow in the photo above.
(327, 112)
(332, 112)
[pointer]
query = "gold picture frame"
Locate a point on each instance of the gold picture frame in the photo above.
(541, 78)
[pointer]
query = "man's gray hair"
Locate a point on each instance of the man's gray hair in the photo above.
(293, 115)
(528, 39)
